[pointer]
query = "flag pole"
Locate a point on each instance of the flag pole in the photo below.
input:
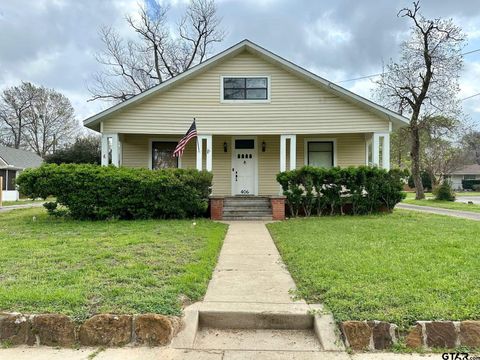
(198, 144)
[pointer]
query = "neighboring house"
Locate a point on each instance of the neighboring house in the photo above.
(256, 114)
(12, 163)
(467, 172)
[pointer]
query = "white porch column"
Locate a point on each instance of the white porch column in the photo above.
(283, 152)
(293, 151)
(104, 160)
(376, 149)
(115, 150)
(208, 150)
(383, 140)
(386, 151)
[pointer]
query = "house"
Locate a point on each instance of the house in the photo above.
(12, 163)
(256, 114)
(467, 172)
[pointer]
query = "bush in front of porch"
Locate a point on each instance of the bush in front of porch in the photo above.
(357, 190)
(96, 193)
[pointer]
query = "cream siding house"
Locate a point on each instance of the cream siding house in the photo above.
(256, 115)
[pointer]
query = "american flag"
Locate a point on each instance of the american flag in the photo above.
(191, 133)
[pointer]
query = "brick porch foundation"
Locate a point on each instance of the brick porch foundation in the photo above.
(278, 207)
(216, 207)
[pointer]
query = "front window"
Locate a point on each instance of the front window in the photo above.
(162, 155)
(320, 153)
(9, 177)
(468, 177)
(245, 88)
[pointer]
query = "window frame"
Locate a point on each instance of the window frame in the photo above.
(245, 101)
(469, 175)
(328, 140)
(150, 150)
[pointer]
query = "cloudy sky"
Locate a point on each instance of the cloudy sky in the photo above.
(53, 42)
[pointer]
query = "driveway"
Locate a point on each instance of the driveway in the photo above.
(440, 211)
(466, 198)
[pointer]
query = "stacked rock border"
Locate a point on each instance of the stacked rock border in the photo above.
(99, 330)
(425, 335)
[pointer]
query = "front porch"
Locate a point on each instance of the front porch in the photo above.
(247, 164)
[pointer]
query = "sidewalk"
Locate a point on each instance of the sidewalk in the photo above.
(434, 210)
(20, 206)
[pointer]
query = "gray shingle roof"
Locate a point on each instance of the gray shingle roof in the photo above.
(20, 159)
(467, 170)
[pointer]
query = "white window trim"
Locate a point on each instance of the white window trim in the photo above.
(269, 92)
(232, 157)
(150, 143)
(305, 148)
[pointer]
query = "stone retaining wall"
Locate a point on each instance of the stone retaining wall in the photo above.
(102, 329)
(380, 335)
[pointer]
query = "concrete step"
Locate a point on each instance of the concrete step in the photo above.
(247, 209)
(246, 203)
(261, 218)
(256, 339)
(242, 211)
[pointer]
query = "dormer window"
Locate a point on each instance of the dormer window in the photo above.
(245, 88)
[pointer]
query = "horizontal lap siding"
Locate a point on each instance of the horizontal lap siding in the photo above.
(350, 148)
(268, 165)
(135, 150)
(296, 106)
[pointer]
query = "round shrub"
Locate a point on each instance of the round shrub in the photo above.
(444, 192)
(99, 192)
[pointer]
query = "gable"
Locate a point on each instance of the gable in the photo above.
(296, 106)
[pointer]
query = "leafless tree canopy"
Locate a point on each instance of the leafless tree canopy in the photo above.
(35, 118)
(157, 53)
(424, 82)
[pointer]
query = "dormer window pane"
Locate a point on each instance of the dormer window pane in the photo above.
(243, 88)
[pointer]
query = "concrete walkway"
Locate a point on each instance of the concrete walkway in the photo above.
(435, 210)
(250, 269)
(20, 206)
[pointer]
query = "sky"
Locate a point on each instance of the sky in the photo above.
(53, 42)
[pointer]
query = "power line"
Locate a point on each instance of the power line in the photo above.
(469, 97)
(378, 74)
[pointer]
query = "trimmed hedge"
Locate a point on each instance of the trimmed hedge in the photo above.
(361, 190)
(98, 192)
(468, 184)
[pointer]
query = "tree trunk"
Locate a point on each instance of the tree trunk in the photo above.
(415, 154)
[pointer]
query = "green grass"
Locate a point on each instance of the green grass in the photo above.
(444, 204)
(399, 267)
(80, 268)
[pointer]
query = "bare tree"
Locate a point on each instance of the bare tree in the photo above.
(157, 54)
(36, 118)
(15, 103)
(52, 121)
(424, 82)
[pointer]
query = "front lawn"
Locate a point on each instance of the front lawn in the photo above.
(444, 204)
(80, 268)
(399, 267)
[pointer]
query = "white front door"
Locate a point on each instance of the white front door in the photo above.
(244, 166)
